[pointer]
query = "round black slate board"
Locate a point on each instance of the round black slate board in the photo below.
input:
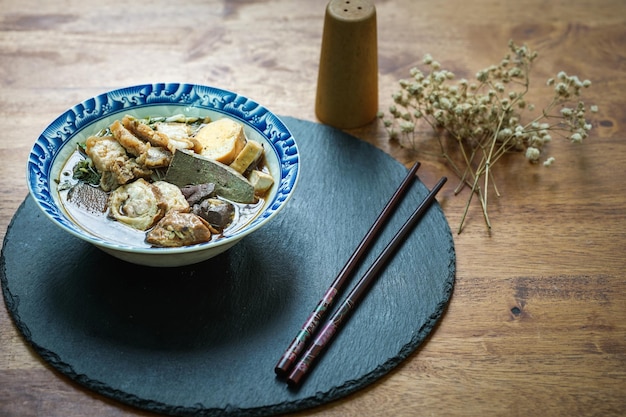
(204, 339)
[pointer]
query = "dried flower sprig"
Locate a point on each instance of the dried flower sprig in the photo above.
(485, 117)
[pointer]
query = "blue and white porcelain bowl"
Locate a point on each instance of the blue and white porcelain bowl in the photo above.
(59, 140)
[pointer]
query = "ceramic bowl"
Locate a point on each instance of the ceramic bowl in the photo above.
(60, 138)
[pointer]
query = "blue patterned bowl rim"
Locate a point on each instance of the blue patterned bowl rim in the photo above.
(83, 115)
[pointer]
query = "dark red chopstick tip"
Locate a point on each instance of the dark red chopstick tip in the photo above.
(293, 381)
(282, 369)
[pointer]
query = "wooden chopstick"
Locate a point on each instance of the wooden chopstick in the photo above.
(298, 344)
(323, 339)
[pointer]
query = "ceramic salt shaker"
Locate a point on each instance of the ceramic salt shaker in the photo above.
(347, 84)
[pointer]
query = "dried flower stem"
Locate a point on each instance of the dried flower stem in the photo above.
(484, 117)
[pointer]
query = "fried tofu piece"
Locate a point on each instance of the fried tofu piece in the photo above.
(250, 153)
(261, 181)
(221, 140)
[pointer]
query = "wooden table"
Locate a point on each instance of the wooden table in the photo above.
(537, 322)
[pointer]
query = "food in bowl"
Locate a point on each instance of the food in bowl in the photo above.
(164, 174)
(168, 181)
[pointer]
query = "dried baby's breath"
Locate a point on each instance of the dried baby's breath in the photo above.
(487, 118)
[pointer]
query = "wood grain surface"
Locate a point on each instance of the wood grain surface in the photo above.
(537, 321)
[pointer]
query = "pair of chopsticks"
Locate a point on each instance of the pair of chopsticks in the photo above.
(293, 364)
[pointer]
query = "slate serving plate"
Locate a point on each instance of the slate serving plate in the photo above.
(204, 339)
